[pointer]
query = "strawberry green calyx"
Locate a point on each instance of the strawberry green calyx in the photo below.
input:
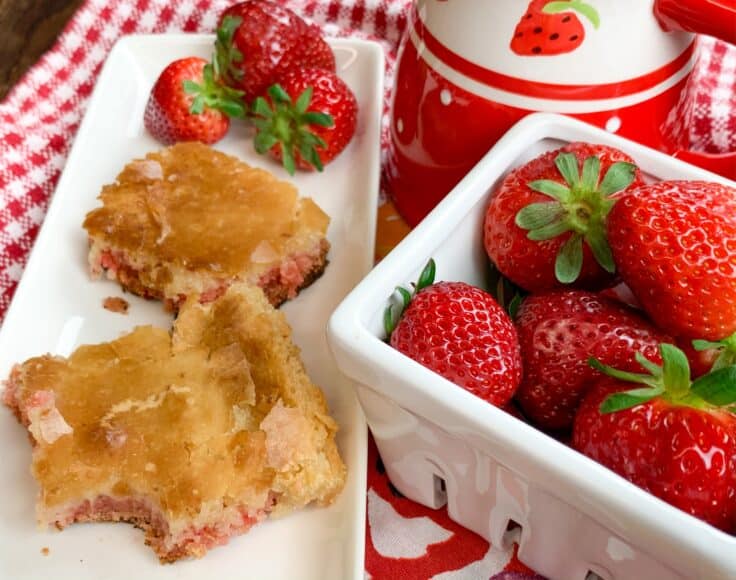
(287, 124)
(390, 316)
(575, 5)
(726, 348)
(214, 95)
(227, 56)
(671, 382)
(580, 206)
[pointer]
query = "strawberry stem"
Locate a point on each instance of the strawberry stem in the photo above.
(391, 317)
(580, 205)
(287, 125)
(227, 55)
(212, 94)
(671, 381)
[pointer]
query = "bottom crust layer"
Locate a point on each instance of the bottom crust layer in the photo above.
(282, 282)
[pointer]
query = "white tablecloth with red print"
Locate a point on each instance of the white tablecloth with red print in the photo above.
(40, 117)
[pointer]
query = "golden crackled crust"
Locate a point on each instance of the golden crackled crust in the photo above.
(191, 209)
(220, 413)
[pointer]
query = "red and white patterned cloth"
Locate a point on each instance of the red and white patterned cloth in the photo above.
(39, 119)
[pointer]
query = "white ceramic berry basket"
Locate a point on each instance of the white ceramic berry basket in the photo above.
(443, 446)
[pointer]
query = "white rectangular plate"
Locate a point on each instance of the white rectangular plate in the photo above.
(57, 307)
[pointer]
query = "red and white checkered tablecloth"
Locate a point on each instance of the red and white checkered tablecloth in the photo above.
(39, 119)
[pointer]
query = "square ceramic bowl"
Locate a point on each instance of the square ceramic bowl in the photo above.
(496, 475)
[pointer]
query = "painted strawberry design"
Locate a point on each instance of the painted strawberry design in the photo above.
(549, 28)
(558, 332)
(460, 332)
(674, 437)
(545, 223)
(674, 244)
(309, 118)
(258, 41)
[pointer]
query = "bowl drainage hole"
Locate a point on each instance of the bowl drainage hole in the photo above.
(513, 532)
(440, 491)
(593, 576)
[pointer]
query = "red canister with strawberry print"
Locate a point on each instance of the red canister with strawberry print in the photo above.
(469, 69)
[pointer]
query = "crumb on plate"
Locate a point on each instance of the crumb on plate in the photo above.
(115, 304)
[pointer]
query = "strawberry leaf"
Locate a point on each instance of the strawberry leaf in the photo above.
(231, 108)
(508, 295)
(596, 239)
(405, 295)
(278, 94)
(261, 108)
(210, 94)
(551, 188)
(190, 87)
(618, 177)
(288, 160)
(316, 118)
(717, 387)
(701, 345)
(513, 306)
(675, 370)
(291, 125)
(197, 105)
(567, 163)
(582, 207)
(389, 321)
(310, 155)
(569, 261)
(627, 376)
(627, 399)
(426, 278)
(654, 369)
(536, 215)
(672, 382)
(549, 231)
(227, 55)
(591, 172)
(576, 5)
(264, 141)
(302, 103)
(228, 27)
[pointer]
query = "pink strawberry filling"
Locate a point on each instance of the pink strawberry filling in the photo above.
(194, 540)
(288, 276)
(109, 261)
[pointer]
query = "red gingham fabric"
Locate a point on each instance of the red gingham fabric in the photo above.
(39, 119)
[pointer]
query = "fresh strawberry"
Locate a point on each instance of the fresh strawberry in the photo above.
(558, 332)
(674, 244)
(310, 119)
(187, 103)
(545, 223)
(549, 28)
(260, 41)
(673, 437)
(460, 332)
(701, 361)
(711, 355)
